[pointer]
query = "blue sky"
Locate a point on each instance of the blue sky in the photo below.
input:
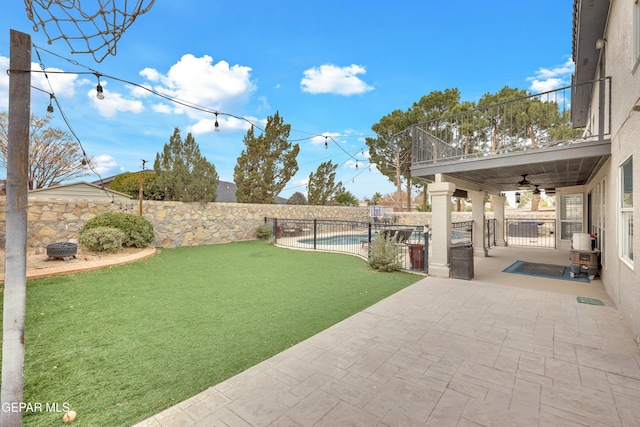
(330, 68)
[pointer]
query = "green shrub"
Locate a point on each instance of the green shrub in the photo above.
(137, 230)
(103, 239)
(384, 254)
(264, 231)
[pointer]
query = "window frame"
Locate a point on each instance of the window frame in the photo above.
(625, 207)
(575, 217)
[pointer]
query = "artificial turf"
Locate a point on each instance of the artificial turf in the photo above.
(120, 344)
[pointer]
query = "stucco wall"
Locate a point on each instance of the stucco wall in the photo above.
(622, 280)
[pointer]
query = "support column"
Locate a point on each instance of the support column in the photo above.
(441, 193)
(479, 224)
(498, 213)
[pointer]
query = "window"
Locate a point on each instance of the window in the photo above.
(571, 215)
(626, 211)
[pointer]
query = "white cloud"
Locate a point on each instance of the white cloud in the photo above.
(114, 103)
(4, 83)
(161, 108)
(62, 84)
(225, 124)
(351, 164)
(103, 163)
(332, 79)
(320, 139)
(141, 92)
(547, 79)
(199, 81)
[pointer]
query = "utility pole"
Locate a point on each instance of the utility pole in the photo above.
(15, 283)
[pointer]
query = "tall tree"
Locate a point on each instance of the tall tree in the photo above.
(129, 183)
(322, 184)
(54, 156)
(267, 163)
(297, 198)
(183, 174)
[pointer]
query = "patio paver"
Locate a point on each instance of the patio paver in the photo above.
(442, 352)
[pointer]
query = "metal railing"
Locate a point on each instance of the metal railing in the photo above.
(527, 123)
(491, 233)
(531, 232)
(352, 237)
(461, 232)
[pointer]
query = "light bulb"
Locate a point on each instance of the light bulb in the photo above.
(50, 109)
(99, 92)
(216, 126)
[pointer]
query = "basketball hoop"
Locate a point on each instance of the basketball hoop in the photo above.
(86, 31)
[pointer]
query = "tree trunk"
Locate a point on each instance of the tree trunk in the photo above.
(535, 203)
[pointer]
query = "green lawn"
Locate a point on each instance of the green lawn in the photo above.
(123, 343)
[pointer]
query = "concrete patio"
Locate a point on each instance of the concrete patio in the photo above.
(499, 350)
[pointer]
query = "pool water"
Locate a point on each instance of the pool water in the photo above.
(349, 239)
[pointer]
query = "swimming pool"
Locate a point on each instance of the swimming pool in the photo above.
(342, 239)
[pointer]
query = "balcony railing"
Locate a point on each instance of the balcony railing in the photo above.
(527, 123)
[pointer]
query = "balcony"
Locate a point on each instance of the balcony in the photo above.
(538, 135)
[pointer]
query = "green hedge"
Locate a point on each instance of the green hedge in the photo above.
(137, 230)
(103, 239)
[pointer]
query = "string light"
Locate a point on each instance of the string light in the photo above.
(99, 90)
(50, 107)
(100, 95)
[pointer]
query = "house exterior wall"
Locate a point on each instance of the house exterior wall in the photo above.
(621, 280)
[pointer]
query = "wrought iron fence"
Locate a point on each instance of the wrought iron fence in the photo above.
(353, 237)
(491, 233)
(461, 232)
(530, 122)
(531, 232)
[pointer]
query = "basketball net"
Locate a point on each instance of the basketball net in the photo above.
(89, 30)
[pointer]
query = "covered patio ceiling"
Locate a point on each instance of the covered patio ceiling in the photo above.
(549, 168)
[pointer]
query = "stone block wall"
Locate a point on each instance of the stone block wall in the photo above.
(193, 224)
(175, 223)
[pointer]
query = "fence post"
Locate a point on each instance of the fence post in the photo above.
(275, 229)
(315, 232)
(426, 250)
(488, 234)
(369, 245)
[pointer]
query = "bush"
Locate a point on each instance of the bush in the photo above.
(137, 230)
(385, 254)
(264, 232)
(103, 239)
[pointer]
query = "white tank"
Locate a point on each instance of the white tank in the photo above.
(581, 241)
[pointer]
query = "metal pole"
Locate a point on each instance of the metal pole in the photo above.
(315, 233)
(15, 283)
(426, 250)
(140, 193)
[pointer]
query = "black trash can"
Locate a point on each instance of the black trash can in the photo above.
(416, 256)
(461, 261)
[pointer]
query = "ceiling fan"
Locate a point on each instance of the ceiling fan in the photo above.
(536, 190)
(524, 184)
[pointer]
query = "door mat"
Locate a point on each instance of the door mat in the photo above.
(592, 301)
(549, 271)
